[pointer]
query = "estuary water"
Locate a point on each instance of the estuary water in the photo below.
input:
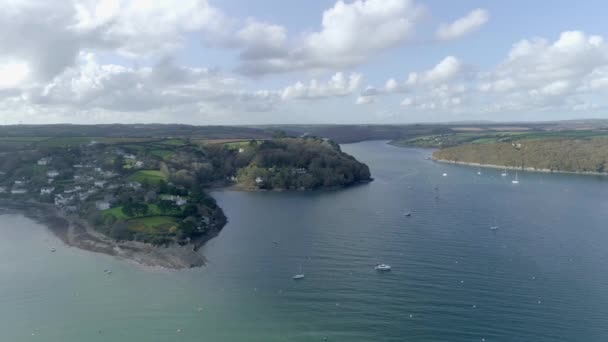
(541, 276)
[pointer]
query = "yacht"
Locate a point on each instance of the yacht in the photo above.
(407, 214)
(516, 180)
(445, 175)
(504, 173)
(494, 228)
(382, 267)
(299, 275)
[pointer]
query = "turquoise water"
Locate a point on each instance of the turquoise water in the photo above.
(543, 276)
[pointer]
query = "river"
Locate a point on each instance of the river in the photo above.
(542, 276)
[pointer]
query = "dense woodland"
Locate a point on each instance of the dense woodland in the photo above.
(557, 154)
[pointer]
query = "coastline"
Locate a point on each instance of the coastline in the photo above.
(76, 232)
(530, 169)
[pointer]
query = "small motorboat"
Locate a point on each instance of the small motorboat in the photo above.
(382, 267)
(494, 228)
(408, 214)
(53, 250)
(445, 175)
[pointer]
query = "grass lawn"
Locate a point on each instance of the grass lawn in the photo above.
(163, 154)
(153, 210)
(151, 176)
(154, 225)
(173, 142)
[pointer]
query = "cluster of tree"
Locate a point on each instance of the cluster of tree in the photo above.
(301, 164)
(566, 154)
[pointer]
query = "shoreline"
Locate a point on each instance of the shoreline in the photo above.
(75, 232)
(530, 169)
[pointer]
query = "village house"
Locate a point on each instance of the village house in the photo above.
(139, 164)
(47, 191)
(178, 200)
(259, 180)
(44, 161)
(130, 156)
(102, 205)
(52, 174)
(134, 185)
(99, 183)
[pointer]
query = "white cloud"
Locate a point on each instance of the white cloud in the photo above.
(344, 39)
(463, 26)
(338, 85)
(90, 85)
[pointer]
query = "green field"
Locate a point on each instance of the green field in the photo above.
(163, 154)
(173, 142)
(153, 210)
(151, 176)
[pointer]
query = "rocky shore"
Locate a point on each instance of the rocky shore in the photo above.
(76, 232)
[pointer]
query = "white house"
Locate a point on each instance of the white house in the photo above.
(259, 180)
(52, 174)
(99, 184)
(44, 161)
(130, 156)
(102, 205)
(46, 191)
(241, 150)
(139, 164)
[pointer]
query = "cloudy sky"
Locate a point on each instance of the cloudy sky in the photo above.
(313, 61)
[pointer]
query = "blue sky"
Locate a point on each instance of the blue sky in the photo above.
(271, 61)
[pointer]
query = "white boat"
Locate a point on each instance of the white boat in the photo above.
(382, 267)
(516, 180)
(504, 173)
(299, 275)
(494, 228)
(407, 214)
(53, 249)
(445, 175)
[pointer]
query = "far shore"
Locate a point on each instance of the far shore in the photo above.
(531, 169)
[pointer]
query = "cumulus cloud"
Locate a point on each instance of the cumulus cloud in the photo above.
(338, 85)
(463, 26)
(440, 81)
(344, 39)
(112, 87)
(537, 71)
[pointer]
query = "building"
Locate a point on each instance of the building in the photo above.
(52, 174)
(44, 161)
(102, 205)
(99, 183)
(139, 164)
(47, 191)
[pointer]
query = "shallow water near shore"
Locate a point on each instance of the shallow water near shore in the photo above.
(540, 277)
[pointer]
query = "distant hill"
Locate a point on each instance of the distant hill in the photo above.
(568, 153)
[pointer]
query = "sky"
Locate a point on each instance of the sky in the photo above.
(230, 62)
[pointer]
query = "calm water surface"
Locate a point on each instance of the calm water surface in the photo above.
(542, 276)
